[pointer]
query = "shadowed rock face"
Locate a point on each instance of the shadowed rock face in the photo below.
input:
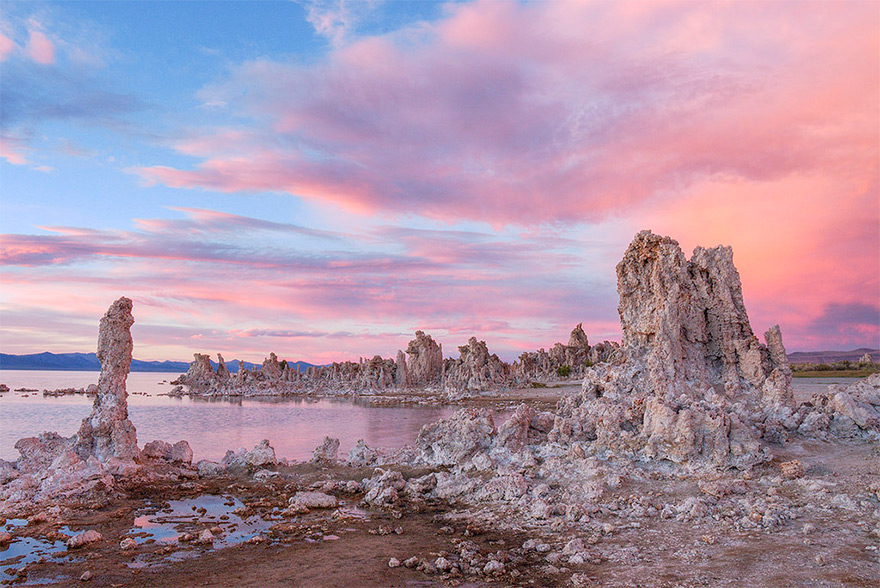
(107, 433)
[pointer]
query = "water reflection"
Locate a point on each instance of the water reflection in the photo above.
(294, 426)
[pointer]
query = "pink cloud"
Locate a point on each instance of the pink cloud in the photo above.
(40, 47)
(13, 150)
(244, 285)
(7, 46)
(551, 111)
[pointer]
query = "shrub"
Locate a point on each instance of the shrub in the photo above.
(563, 371)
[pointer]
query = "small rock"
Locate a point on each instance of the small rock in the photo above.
(127, 543)
(493, 568)
(792, 469)
(442, 564)
(313, 500)
(84, 538)
(411, 562)
(331, 537)
(820, 561)
(393, 563)
(576, 559)
(206, 536)
(5, 538)
(86, 576)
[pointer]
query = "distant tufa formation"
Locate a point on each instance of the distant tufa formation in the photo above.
(421, 367)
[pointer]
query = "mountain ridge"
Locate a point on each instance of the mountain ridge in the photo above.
(88, 362)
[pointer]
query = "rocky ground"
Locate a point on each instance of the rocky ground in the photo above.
(817, 525)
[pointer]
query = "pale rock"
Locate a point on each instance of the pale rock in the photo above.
(457, 438)
(127, 544)
(493, 568)
(689, 364)
(83, 539)
(476, 369)
(327, 451)
(205, 537)
(209, 469)
(314, 500)
(362, 455)
(107, 433)
(181, 453)
(261, 456)
(425, 360)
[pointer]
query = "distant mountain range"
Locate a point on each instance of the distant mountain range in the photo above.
(832, 356)
(88, 362)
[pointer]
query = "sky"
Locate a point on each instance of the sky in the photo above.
(321, 179)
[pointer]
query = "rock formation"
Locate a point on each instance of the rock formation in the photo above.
(107, 433)
(476, 369)
(425, 362)
(844, 411)
(52, 466)
(692, 378)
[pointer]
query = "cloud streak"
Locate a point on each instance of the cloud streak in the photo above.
(244, 284)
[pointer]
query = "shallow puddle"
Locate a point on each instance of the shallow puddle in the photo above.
(22, 551)
(164, 523)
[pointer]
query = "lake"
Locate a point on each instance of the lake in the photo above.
(294, 426)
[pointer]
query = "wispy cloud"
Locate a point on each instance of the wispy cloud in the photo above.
(337, 20)
(276, 286)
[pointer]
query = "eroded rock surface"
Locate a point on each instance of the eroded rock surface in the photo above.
(692, 381)
(107, 433)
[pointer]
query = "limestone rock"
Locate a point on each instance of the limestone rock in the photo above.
(453, 440)
(181, 453)
(362, 455)
(690, 378)
(844, 411)
(107, 433)
(476, 369)
(425, 361)
(327, 451)
(261, 456)
(313, 500)
(84, 538)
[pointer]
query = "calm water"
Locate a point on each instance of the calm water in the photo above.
(294, 426)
